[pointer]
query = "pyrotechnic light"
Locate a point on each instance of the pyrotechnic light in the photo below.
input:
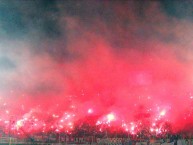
(132, 128)
(123, 125)
(57, 130)
(162, 113)
(98, 122)
(32, 121)
(110, 117)
(55, 116)
(19, 124)
(90, 111)
(151, 129)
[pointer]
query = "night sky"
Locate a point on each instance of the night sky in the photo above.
(121, 63)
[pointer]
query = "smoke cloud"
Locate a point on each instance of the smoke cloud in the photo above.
(130, 58)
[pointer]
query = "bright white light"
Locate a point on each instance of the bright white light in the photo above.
(90, 111)
(55, 116)
(98, 122)
(110, 117)
(132, 128)
(57, 130)
(151, 129)
(123, 125)
(162, 113)
(19, 124)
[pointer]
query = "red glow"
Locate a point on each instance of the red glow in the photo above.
(136, 93)
(142, 84)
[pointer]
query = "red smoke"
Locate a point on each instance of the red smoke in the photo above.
(134, 86)
(138, 82)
